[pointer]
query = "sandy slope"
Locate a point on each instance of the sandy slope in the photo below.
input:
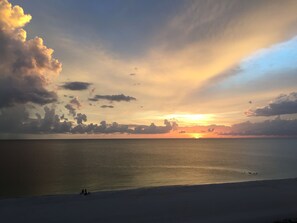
(262, 201)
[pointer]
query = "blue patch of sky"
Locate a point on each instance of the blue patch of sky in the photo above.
(278, 59)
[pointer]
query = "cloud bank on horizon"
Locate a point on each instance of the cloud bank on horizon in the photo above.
(282, 105)
(198, 59)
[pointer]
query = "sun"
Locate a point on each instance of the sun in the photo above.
(195, 135)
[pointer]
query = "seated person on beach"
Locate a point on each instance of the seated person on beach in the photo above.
(84, 192)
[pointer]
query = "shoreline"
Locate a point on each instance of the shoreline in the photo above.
(251, 201)
(145, 188)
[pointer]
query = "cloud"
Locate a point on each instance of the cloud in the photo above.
(105, 128)
(114, 127)
(107, 106)
(153, 129)
(92, 92)
(16, 120)
(12, 17)
(110, 128)
(283, 104)
(71, 109)
(209, 130)
(276, 127)
(118, 98)
(76, 86)
(27, 66)
(80, 118)
(12, 118)
(205, 31)
(50, 123)
(208, 32)
(75, 102)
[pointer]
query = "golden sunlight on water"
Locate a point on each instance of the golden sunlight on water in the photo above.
(40, 167)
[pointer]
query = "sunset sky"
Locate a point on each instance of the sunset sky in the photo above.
(148, 68)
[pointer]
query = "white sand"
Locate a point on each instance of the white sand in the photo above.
(262, 201)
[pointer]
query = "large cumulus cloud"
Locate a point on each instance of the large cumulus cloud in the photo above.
(282, 105)
(26, 66)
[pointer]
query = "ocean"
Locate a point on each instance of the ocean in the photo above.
(45, 167)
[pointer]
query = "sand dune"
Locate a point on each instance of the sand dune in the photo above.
(259, 201)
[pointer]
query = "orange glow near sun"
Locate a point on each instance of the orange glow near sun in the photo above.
(191, 119)
(195, 135)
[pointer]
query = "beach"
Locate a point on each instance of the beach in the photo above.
(255, 201)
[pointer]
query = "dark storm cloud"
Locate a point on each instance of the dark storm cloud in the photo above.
(50, 123)
(16, 120)
(26, 65)
(283, 104)
(76, 86)
(15, 90)
(12, 119)
(106, 106)
(276, 127)
(117, 98)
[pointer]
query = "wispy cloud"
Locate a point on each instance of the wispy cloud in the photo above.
(117, 98)
(106, 106)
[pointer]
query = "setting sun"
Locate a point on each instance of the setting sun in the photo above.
(195, 135)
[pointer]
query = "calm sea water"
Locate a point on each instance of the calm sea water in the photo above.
(40, 167)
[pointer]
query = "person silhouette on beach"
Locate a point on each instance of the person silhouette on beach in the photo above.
(84, 192)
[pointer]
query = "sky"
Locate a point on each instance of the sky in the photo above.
(148, 68)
